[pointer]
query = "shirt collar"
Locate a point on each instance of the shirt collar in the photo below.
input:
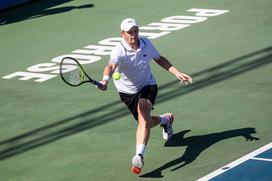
(142, 44)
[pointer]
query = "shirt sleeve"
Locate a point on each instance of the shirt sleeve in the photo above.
(116, 56)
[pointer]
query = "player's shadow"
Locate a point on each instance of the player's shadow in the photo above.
(36, 9)
(195, 145)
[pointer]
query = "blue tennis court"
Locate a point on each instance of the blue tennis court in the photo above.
(254, 166)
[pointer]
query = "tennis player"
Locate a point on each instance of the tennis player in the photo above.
(137, 86)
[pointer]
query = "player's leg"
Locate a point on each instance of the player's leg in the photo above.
(155, 121)
(145, 122)
(142, 134)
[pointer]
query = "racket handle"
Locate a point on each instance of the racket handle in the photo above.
(98, 84)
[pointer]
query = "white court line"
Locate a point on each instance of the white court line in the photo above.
(236, 162)
(262, 159)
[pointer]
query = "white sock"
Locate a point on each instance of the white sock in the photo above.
(140, 149)
(163, 118)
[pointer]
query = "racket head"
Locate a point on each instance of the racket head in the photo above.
(75, 75)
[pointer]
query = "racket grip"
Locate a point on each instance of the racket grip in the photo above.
(98, 84)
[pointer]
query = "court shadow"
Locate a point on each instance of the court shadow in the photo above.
(36, 9)
(195, 145)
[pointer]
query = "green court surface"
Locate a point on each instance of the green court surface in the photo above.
(52, 132)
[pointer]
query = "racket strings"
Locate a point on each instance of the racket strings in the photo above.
(74, 76)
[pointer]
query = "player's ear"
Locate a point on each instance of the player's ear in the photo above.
(122, 33)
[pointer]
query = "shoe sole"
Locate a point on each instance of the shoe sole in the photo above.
(136, 170)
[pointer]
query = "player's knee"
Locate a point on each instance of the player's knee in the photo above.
(144, 105)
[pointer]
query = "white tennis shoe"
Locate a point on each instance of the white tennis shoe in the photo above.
(137, 164)
(167, 131)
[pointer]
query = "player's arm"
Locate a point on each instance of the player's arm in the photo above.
(107, 73)
(164, 63)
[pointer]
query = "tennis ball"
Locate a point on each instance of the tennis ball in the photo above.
(116, 75)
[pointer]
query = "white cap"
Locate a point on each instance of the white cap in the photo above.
(128, 23)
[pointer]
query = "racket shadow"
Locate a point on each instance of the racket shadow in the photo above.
(88, 120)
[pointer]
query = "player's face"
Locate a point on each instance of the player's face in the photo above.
(131, 36)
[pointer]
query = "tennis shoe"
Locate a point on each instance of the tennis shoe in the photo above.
(167, 131)
(137, 164)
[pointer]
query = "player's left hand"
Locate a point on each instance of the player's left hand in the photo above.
(184, 77)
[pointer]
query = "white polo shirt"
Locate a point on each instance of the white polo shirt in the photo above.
(134, 66)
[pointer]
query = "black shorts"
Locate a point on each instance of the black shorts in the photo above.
(131, 100)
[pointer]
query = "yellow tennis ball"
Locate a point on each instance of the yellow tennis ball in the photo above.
(116, 75)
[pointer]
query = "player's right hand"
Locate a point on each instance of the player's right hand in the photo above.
(104, 86)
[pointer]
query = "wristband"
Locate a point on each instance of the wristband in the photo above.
(106, 77)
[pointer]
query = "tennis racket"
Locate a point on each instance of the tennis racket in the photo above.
(73, 74)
